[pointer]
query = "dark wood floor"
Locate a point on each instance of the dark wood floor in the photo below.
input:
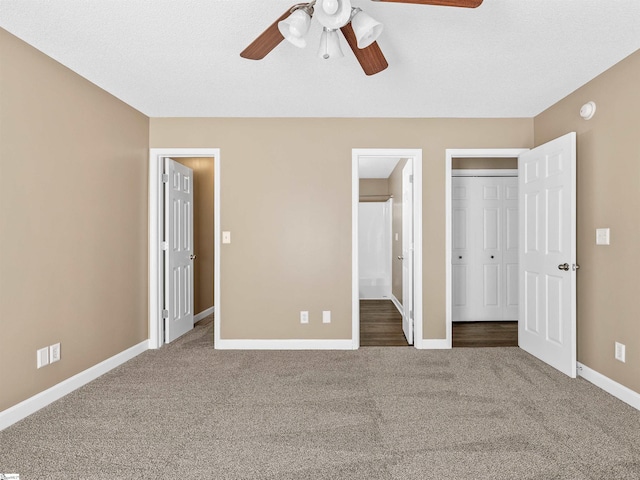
(485, 334)
(381, 326)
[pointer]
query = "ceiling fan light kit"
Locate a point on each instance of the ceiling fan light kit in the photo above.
(340, 16)
(329, 44)
(359, 30)
(295, 27)
(367, 29)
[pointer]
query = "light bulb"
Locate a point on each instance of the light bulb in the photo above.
(330, 6)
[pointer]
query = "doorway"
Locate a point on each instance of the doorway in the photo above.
(546, 248)
(203, 233)
(387, 247)
(484, 252)
(477, 288)
(157, 288)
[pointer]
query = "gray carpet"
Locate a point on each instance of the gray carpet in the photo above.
(190, 412)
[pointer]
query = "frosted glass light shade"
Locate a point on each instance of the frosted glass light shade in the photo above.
(366, 29)
(329, 45)
(295, 27)
(340, 16)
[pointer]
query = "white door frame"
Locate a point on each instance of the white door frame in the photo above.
(407, 250)
(450, 155)
(156, 212)
(416, 156)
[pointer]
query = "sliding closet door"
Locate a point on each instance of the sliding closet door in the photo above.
(484, 250)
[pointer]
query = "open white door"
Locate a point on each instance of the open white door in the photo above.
(407, 251)
(547, 196)
(178, 259)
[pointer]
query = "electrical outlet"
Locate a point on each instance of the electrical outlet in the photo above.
(620, 352)
(42, 358)
(54, 353)
(326, 316)
(304, 316)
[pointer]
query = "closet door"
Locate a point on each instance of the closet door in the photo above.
(488, 295)
(461, 248)
(485, 248)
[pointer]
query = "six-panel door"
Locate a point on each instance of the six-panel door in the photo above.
(485, 248)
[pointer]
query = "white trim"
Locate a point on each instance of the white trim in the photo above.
(397, 304)
(610, 386)
(355, 268)
(288, 344)
(452, 153)
(435, 344)
(485, 172)
(204, 313)
(418, 336)
(416, 155)
(155, 234)
(31, 405)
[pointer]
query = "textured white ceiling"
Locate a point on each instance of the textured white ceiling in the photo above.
(507, 58)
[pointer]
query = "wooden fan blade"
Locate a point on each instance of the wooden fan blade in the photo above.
(267, 41)
(371, 58)
(444, 3)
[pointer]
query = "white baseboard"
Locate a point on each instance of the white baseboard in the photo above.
(430, 344)
(294, 344)
(610, 386)
(31, 405)
(204, 313)
(397, 303)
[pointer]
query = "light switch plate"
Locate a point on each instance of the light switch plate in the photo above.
(226, 237)
(326, 316)
(42, 357)
(602, 236)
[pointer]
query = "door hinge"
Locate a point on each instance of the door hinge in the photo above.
(411, 314)
(165, 178)
(411, 178)
(164, 245)
(165, 313)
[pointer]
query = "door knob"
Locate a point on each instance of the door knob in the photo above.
(192, 257)
(400, 257)
(564, 266)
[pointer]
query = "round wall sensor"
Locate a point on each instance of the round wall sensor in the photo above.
(588, 110)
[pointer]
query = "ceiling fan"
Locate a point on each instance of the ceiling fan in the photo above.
(359, 30)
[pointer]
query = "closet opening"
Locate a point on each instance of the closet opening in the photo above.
(484, 252)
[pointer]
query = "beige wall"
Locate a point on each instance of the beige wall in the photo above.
(483, 163)
(286, 198)
(395, 188)
(374, 189)
(73, 216)
(203, 215)
(73, 222)
(608, 171)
